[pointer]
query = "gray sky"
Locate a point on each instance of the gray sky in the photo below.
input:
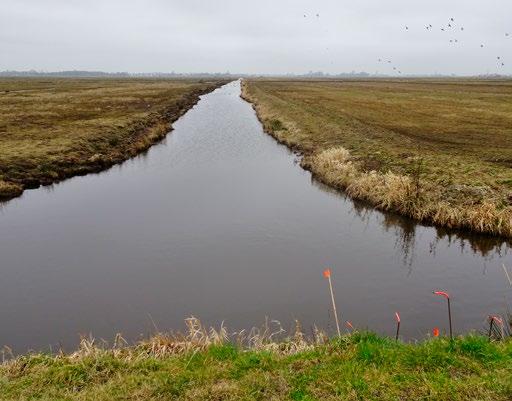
(258, 36)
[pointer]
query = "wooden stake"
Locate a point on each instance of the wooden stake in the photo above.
(327, 274)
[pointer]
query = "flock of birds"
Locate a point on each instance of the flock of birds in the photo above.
(451, 27)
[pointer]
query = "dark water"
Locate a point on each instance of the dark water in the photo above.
(218, 221)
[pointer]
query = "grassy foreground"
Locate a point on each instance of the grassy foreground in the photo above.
(54, 128)
(438, 151)
(360, 366)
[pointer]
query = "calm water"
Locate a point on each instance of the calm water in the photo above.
(220, 222)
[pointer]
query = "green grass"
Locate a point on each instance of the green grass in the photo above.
(54, 128)
(448, 141)
(361, 366)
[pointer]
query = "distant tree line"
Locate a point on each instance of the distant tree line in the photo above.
(102, 74)
(225, 75)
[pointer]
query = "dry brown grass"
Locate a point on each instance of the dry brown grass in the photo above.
(55, 128)
(198, 338)
(203, 364)
(387, 165)
(393, 192)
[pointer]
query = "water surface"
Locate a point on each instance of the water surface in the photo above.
(218, 221)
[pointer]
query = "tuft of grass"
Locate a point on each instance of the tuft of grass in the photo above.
(60, 127)
(439, 151)
(9, 190)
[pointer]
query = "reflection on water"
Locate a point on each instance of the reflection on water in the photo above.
(481, 244)
(404, 230)
(219, 222)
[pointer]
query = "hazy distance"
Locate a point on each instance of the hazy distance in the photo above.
(264, 36)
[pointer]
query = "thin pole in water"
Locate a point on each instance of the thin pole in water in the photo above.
(506, 273)
(397, 316)
(327, 275)
(447, 296)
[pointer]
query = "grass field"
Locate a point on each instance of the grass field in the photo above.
(51, 129)
(439, 151)
(203, 366)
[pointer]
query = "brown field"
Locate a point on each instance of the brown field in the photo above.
(439, 151)
(55, 128)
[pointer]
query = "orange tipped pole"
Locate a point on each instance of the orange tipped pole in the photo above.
(447, 296)
(327, 275)
(397, 317)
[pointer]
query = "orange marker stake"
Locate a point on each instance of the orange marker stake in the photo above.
(447, 296)
(397, 317)
(327, 275)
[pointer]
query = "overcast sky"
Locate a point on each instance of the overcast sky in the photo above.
(259, 36)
